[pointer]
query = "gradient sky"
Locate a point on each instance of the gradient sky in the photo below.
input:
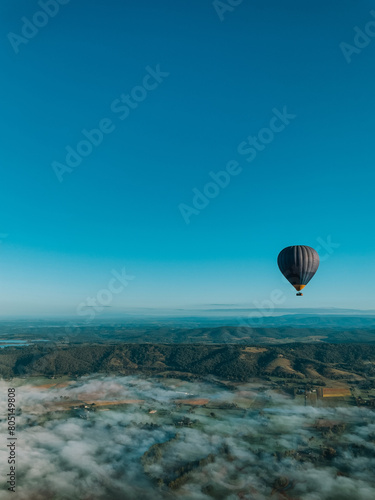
(120, 207)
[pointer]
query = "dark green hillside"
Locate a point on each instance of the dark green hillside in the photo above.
(233, 362)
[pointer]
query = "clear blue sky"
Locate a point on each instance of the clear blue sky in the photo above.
(120, 206)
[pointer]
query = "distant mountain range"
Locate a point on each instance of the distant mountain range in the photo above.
(265, 330)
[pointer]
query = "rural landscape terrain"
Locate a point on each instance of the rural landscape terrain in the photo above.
(149, 410)
(104, 436)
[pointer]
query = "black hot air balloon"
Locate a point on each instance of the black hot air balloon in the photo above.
(298, 264)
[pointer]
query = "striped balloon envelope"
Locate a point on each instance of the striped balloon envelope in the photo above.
(298, 264)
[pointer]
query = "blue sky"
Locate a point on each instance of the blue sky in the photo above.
(222, 80)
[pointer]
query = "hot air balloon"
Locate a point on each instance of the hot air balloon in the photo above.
(298, 264)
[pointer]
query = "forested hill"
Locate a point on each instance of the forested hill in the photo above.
(317, 361)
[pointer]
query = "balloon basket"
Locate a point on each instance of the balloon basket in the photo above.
(299, 294)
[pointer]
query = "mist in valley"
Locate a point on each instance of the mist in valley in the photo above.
(190, 440)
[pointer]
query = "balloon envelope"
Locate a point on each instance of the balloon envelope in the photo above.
(298, 264)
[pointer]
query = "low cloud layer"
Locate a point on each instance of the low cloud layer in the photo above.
(265, 447)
